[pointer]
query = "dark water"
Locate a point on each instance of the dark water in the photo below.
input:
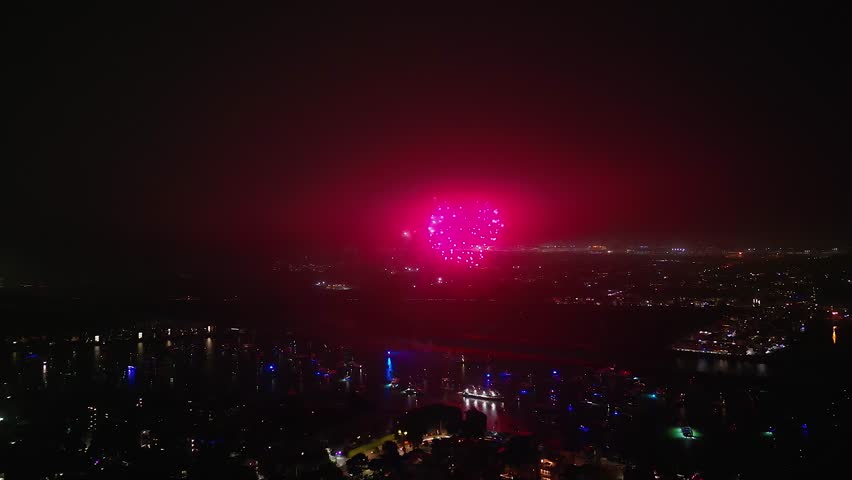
(530, 355)
(802, 395)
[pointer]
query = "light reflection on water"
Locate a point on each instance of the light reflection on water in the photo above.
(232, 367)
(389, 371)
(440, 378)
(488, 407)
(722, 365)
(97, 358)
(209, 357)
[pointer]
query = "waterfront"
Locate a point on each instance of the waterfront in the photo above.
(347, 392)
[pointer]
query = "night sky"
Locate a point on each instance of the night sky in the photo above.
(227, 134)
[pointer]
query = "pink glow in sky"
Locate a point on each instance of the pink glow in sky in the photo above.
(461, 233)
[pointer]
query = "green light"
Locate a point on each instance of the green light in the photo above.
(768, 434)
(675, 432)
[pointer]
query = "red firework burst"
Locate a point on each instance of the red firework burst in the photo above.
(463, 233)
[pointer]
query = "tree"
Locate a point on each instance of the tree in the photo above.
(326, 471)
(390, 452)
(416, 433)
(357, 464)
(474, 423)
(521, 450)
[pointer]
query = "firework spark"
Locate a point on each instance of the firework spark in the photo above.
(462, 233)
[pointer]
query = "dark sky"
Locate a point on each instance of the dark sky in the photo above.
(239, 132)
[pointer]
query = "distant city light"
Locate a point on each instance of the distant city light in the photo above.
(97, 338)
(140, 335)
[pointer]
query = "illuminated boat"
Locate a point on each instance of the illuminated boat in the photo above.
(484, 394)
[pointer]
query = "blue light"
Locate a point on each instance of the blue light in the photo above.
(555, 372)
(584, 429)
(271, 367)
(615, 413)
(388, 352)
(131, 367)
(523, 392)
(804, 426)
(488, 375)
(570, 407)
(652, 395)
(318, 373)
